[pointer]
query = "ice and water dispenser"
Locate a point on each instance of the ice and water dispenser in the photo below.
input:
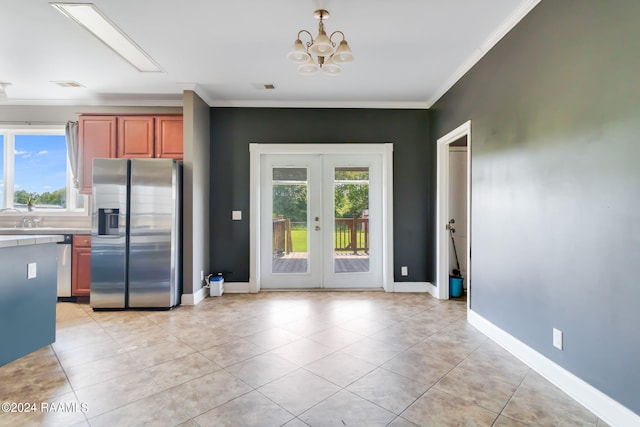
(108, 222)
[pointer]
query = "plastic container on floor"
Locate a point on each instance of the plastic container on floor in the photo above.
(455, 287)
(216, 286)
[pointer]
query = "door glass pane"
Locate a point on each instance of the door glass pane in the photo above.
(290, 220)
(351, 223)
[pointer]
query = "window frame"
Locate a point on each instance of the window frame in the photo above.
(9, 133)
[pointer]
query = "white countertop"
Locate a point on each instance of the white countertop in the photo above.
(43, 230)
(7, 241)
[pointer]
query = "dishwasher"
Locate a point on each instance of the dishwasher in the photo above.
(64, 256)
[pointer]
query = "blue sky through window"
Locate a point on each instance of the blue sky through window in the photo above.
(40, 163)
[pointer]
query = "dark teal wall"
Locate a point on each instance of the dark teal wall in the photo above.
(232, 129)
(555, 111)
(27, 306)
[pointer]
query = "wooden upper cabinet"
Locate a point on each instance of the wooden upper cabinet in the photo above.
(104, 136)
(169, 142)
(135, 136)
(97, 138)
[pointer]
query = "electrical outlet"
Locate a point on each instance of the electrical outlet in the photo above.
(32, 270)
(236, 215)
(557, 338)
(404, 270)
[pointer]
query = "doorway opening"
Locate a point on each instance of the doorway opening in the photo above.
(321, 216)
(453, 220)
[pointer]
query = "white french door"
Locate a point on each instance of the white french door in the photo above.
(321, 221)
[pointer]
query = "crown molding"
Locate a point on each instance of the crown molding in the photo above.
(212, 102)
(120, 102)
(315, 104)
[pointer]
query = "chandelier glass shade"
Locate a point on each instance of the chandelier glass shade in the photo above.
(320, 53)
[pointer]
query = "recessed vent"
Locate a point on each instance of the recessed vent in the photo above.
(68, 83)
(264, 86)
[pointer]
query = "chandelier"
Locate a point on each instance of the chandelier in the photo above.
(320, 53)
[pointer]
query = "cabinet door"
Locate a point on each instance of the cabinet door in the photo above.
(96, 138)
(169, 143)
(81, 266)
(135, 136)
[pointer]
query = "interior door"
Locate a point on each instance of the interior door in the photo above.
(321, 222)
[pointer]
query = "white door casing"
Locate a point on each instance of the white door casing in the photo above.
(443, 216)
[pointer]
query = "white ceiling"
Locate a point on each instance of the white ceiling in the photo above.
(407, 52)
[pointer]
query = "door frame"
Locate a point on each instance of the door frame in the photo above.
(257, 150)
(442, 211)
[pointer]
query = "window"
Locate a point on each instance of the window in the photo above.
(35, 172)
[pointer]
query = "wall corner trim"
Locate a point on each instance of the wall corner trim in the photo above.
(603, 406)
(195, 298)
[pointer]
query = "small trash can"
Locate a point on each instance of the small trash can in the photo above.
(455, 286)
(216, 286)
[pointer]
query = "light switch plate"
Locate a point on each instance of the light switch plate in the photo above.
(404, 270)
(32, 270)
(236, 215)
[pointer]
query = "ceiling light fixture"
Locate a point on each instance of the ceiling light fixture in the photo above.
(94, 21)
(320, 53)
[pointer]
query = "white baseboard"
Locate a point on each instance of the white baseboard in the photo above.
(195, 298)
(432, 289)
(237, 288)
(603, 406)
(246, 288)
(413, 287)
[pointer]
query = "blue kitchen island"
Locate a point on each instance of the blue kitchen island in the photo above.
(28, 273)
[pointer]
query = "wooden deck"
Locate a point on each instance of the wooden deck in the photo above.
(296, 263)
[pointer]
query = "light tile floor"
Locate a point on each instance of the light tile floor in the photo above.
(282, 358)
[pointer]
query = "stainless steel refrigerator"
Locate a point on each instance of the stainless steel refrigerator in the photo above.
(136, 234)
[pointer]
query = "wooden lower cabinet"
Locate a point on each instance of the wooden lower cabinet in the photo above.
(81, 266)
